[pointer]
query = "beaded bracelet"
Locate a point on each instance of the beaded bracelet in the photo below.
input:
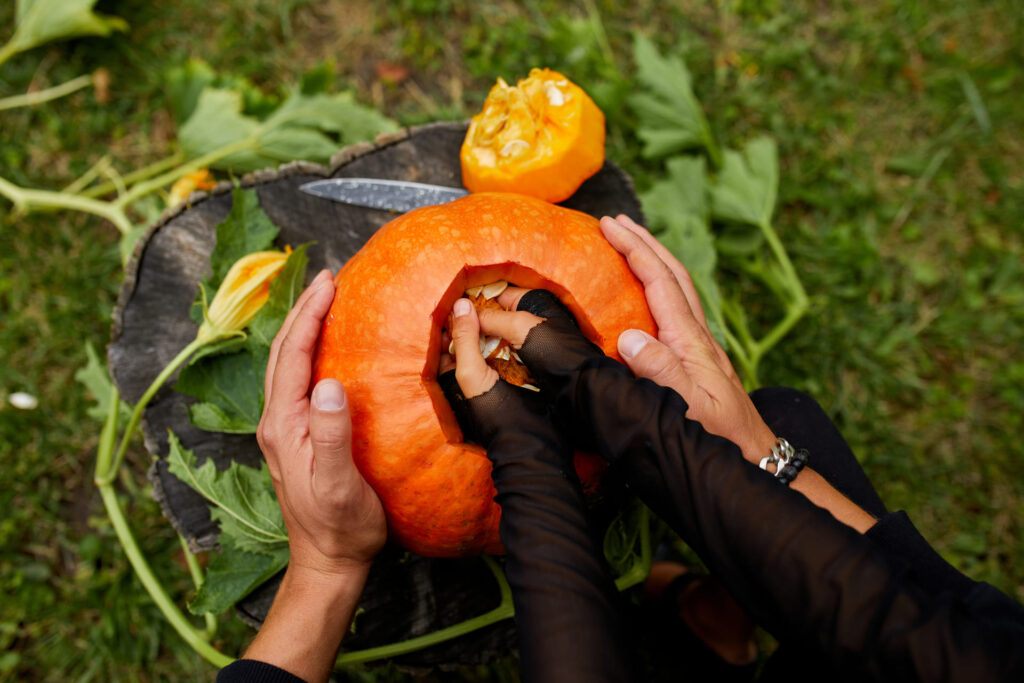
(788, 473)
(788, 462)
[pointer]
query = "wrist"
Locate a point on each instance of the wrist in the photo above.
(310, 568)
(759, 445)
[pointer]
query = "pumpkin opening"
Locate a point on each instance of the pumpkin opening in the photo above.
(475, 276)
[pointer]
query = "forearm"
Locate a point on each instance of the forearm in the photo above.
(565, 598)
(812, 485)
(801, 575)
(307, 622)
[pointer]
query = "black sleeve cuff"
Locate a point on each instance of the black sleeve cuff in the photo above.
(252, 671)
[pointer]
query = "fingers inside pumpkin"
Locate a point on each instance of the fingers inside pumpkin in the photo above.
(471, 370)
(512, 326)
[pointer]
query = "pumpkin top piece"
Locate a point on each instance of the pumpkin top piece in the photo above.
(542, 137)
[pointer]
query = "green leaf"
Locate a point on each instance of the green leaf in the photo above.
(670, 117)
(232, 574)
(217, 121)
(43, 21)
(246, 229)
(295, 130)
(243, 497)
(677, 209)
(739, 239)
(96, 379)
(184, 85)
(211, 417)
(746, 187)
(228, 380)
(229, 388)
(337, 113)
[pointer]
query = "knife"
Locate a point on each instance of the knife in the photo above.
(389, 195)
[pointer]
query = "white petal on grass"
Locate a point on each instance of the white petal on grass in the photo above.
(23, 401)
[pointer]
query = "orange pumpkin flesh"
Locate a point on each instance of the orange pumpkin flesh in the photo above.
(382, 339)
(542, 137)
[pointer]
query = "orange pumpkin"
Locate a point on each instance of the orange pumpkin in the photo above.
(382, 339)
(542, 138)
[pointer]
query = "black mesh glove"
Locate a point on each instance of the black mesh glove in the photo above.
(565, 599)
(801, 574)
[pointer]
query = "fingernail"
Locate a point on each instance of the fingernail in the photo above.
(461, 307)
(329, 395)
(631, 342)
(615, 223)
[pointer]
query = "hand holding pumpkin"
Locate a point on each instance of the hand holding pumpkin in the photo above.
(335, 521)
(684, 357)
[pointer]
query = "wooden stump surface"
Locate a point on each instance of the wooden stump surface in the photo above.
(406, 595)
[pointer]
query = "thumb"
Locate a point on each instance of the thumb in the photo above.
(472, 373)
(647, 357)
(330, 431)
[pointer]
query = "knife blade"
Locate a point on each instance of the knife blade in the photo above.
(377, 193)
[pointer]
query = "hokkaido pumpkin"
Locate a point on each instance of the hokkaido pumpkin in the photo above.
(542, 137)
(382, 340)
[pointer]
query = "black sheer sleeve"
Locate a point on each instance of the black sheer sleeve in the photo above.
(565, 599)
(804, 576)
(252, 671)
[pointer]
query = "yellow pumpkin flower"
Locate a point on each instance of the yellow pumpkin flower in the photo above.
(240, 297)
(189, 183)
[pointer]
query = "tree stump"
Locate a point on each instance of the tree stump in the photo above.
(406, 595)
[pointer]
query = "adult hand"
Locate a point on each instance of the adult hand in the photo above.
(684, 357)
(335, 520)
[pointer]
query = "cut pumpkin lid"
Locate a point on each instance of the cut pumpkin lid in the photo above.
(542, 137)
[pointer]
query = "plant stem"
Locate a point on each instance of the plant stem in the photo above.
(134, 553)
(792, 279)
(107, 476)
(143, 188)
(198, 579)
(642, 567)
(87, 177)
(152, 584)
(137, 175)
(794, 312)
(744, 349)
(26, 199)
(8, 51)
(504, 610)
(40, 96)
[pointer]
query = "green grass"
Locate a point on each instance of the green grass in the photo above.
(902, 203)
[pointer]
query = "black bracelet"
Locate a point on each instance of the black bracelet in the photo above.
(796, 463)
